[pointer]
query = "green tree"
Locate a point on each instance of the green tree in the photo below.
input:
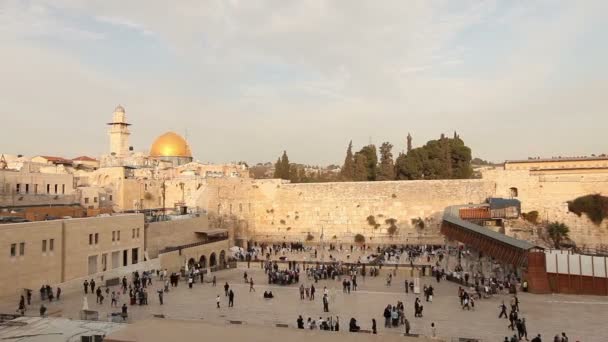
(360, 169)
(557, 232)
(285, 167)
(438, 159)
(371, 157)
(386, 170)
(278, 172)
(347, 172)
(294, 173)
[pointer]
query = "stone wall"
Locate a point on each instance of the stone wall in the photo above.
(271, 210)
(548, 193)
(274, 210)
(173, 233)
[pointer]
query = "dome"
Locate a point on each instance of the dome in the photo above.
(119, 109)
(170, 145)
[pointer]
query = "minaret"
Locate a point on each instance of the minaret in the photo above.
(119, 133)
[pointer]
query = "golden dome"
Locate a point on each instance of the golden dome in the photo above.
(170, 145)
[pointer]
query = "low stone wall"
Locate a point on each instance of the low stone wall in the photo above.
(160, 235)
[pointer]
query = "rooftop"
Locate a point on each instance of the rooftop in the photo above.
(37, 329)
(556, 159)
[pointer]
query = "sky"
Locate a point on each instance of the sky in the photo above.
(246, 79)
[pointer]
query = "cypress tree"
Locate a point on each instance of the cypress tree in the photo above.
(348, 168)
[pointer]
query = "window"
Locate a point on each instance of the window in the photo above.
(90, 239)
(138, 233)
(118, 235)
(44, 246)
(51, 245)
(86, 200)
(514, 192)
(132, 233)
(22, 248)
(94, 199)
(35, 188)
(96, 238)
(110, 197)
(145, 187)
(18, 188)
(27, 188)
(113, 236)
(56, 188)
(13, 249)
(63, 189)
(48, 188)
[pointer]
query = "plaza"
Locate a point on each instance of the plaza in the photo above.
(581, 317)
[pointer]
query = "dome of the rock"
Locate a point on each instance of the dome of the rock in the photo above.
(171, 147)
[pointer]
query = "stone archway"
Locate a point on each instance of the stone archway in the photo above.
(203, 261)
(222, 259)
(212, 260)
(191, 262)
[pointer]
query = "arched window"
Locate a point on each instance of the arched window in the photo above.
(514, 192)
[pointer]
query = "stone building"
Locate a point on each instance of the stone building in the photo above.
(52, 252)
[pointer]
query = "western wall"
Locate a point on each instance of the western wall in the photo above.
(275, 210)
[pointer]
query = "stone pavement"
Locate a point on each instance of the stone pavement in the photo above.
(581, 317)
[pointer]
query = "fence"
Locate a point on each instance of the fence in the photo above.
(577, 273)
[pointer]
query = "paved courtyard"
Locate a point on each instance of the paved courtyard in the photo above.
(581, 317)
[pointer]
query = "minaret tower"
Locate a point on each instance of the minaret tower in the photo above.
(119, 133)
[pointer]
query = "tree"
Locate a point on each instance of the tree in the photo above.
(285, 167)
(371, 158)
(349, 164)
(438, 159)
(278, 172)
(557, 232)
(387, 166)
(360, 169)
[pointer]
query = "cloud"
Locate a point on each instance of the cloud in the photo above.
(300, 71)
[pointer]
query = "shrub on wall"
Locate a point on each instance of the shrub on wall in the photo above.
(309, 237)
(392, 229)
(282, 221)
(359, 239)
(418, 223)
(371, 220)
(594, 206)
(531, 216)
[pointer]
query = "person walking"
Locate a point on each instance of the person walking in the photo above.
(312, 292)
(86, 286)
(374, 331)
(92, 284)
(58, 292)
(503, 310)
(251, 289)
(213, 281)
(217, 301)
(160, 295)
(325, 303)
(230, 298)
(226, 287)
(113, 301)
(301, 291)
